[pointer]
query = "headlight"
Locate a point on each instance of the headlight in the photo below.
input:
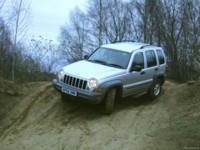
(60, 74)
(92, 83)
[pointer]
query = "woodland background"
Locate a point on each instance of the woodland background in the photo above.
(172, 24)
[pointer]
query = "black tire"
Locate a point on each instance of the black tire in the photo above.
(155, 90)
(109, 101)
(64, 97)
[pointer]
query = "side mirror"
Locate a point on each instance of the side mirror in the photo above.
(85, 56)
(136, 68)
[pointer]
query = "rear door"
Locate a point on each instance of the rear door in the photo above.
(161, 60)
(152, 66)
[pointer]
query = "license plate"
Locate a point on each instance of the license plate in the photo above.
(68, 91)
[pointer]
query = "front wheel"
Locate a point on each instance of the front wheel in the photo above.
(155, 90)
(109, 101)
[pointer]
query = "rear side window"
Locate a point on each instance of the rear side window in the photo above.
(138, 60)
(151, 58)
(160, 56)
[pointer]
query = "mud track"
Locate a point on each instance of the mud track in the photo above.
(38, 119)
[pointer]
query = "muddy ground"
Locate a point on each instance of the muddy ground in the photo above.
(33, 117)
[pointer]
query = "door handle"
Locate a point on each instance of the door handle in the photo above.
(142, 72)
(156, 69)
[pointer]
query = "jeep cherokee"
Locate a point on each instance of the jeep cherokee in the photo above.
(115, 70)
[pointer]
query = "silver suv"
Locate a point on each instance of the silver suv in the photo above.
(113, 71)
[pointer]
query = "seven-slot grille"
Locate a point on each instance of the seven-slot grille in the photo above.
(75, 82)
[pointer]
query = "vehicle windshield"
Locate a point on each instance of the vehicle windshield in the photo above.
(110, 57)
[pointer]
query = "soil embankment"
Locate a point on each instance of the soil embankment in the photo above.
(32, 116)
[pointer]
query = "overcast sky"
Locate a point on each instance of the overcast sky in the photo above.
(47, 16)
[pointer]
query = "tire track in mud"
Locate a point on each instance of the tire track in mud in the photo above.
(48, 121)
(33, 98)
(85, 136)
(46, 109)
(41, 107)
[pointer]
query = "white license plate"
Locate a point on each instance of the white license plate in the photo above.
(68, 91)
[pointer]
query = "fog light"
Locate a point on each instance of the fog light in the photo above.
(98, 90)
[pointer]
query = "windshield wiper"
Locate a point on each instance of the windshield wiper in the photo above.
(115, 65)
(98, 61)
(104, 63)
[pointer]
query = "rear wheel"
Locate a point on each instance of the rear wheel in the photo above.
(110, 101)
(155, 89)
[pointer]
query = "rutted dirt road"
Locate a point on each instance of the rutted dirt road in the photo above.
(33, 117)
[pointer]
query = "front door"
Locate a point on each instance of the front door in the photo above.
(137, 81)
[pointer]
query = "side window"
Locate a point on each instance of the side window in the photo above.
(138, 60)
(151, 58)
(160, 57)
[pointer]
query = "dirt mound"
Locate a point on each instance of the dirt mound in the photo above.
(33, 117)
(182, 131)
(12, 88)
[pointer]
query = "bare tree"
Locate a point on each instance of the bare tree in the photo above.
(171, 24)
(95, 17)
(27, 63)
(19, 16)
(45, 53)
(74, 36)
(5, 43)
(116, 25)
(2, 2)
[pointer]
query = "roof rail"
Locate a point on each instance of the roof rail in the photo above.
(147, 45)
(123, 41)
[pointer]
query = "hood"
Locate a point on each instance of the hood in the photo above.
(88, 70)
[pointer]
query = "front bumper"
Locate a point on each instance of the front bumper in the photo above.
(86, 96)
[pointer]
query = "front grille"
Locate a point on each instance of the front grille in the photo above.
(75, 82)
